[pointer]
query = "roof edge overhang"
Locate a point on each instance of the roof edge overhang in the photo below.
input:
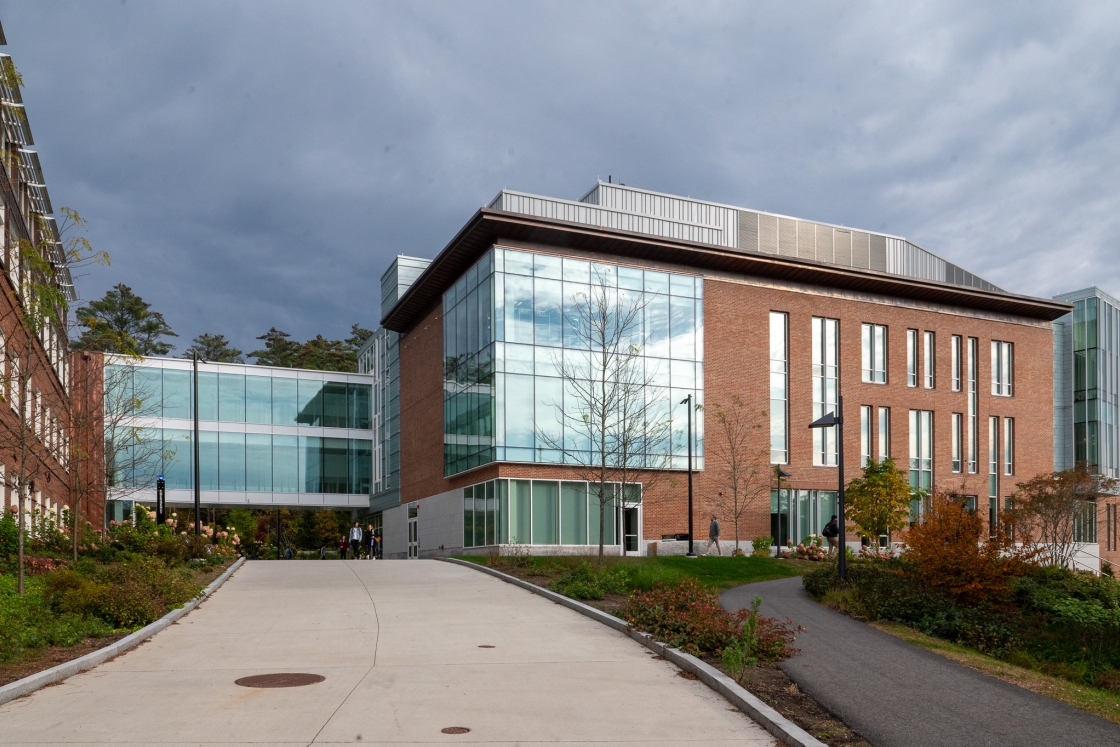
(487, 226)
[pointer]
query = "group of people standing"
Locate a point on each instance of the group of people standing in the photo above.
(360, 543)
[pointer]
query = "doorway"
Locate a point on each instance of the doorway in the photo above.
(413, 532)
(631, 529)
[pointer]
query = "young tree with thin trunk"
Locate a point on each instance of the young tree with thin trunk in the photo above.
(879, 500)
(608, 427)
(1055, 513)
(740, 455)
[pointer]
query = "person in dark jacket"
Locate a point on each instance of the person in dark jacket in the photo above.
(713, 536)
(343, 546)
(831, 532)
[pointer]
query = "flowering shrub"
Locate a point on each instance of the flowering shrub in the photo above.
(687, 616)
(875, 553)
(811, 549)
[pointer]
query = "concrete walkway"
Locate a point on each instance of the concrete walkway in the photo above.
(899, 695)
(400, 645)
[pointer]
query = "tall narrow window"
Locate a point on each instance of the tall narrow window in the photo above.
(993, 457)
(875, 353)
(864, 435)
(826, 378)
(973, 406)
(911, 357)
(1009, 446)
(884, 433)
(921, 458)
(779, 388)
(956, 436)
(955, 363)
(929, 359)
(1001, 368)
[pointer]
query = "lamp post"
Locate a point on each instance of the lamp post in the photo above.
(688, 401)
(161, 501)
(194, 443)
(828, 420)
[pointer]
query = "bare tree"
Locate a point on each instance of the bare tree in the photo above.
(740, 455)
(1055, 513)
(609, 426)
(108, 452)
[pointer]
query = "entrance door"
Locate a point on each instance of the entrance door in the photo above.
(631, 529)
(413, 532)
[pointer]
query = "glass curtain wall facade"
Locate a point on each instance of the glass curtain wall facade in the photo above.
(541, 512)
(796, 514)
(258, 433)
(510, 325)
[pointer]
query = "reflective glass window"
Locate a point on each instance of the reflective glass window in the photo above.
(207, 395)
(546, 512)
(520, 512)
(573, 513)
(178, 459)
(334, 404)
(359, 400)
(177, 394)
(208, 460)
(310, 464)
(361, 466)
(231, 461)
(258, 399)
(285, 407)
(285, 464)
(310, 402)
(336, 471)
(231, 398)
(148, 390)
(258, 462)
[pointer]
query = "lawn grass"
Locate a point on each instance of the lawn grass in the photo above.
(1103, 703)
(644, 573)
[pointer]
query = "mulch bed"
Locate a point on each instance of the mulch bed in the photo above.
(766, 681)
(40, 659)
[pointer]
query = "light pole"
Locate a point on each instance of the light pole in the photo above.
(688, 401)
(781, 473)
(827, 421)
(197, 485)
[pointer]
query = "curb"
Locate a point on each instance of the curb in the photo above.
(39, 680)
(768, 718)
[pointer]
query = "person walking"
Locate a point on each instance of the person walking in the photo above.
(342, 547)
(356, 540)
(831, 532)
(713, 537)
(378, 544)
(371, 541)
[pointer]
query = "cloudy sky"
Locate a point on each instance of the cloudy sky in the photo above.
(257, 164)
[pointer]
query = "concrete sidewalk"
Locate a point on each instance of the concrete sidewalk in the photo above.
(896, 694)
(399, 644)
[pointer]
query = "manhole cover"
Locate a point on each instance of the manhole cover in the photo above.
(455, 730)
(280, 679)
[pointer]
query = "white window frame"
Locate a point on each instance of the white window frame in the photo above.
(1002, 368)
(826, 387)
(1009, 446)
(884, 433)
(874, 338)
(955, 363)
(957, 425)
(912, 357)
(929, 342)
(779, 385)
(865, 435)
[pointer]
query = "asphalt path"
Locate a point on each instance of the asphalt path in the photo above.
(896, 694)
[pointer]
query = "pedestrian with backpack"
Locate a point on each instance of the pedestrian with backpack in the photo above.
(831, 532)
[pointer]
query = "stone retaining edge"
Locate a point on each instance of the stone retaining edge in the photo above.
(33, 682)
(768, 718)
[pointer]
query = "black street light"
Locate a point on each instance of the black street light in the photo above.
(688, 401)
(197, 485)
(161, 501)
(827, 421)
(782, 474)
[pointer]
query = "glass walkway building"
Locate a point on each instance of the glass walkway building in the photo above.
(267, 436)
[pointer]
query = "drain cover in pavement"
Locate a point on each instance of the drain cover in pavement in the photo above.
(455, 730)
(280, 679)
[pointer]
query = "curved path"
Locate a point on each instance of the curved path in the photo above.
(899, 695)
(408, 648)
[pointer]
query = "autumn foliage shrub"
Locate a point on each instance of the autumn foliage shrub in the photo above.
(688, 616)
(945, 552)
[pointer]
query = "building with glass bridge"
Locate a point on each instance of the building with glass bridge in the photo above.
(940, 370)
(268, 437)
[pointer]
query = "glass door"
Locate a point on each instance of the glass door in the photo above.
(413, 532)
(631, 529)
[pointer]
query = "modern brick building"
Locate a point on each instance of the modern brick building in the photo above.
(34, 365)
(938, 368)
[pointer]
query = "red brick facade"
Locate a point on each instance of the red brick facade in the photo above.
(736, 362)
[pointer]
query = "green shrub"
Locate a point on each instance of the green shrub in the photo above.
(687, 616)
(762, 543)
(586, 581)
(760, 639)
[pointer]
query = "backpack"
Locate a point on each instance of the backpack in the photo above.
(830, 530)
